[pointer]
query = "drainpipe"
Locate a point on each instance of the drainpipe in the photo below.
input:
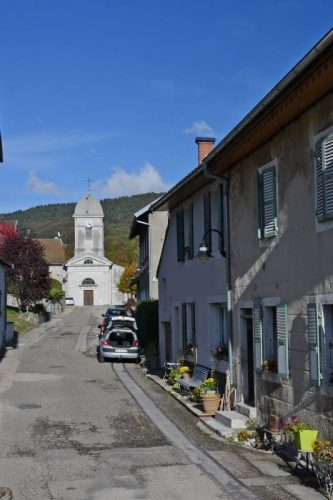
(226, 182)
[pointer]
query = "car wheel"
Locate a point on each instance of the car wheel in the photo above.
(100, 357)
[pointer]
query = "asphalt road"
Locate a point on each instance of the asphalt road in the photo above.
(71, 428)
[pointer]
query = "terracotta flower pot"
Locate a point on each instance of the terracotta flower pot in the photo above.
(211, 403)
(186, 376)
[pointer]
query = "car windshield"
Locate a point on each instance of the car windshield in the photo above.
(122, 338)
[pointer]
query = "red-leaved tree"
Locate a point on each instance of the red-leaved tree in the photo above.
(6, 230)
(29, 280)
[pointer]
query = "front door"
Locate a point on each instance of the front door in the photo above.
(88, 297)
(168, 341)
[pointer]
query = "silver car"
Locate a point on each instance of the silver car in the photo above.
(118, 343)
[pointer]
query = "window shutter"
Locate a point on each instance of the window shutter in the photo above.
(221, 217)
(314, 344)
(190, 233)
(193, 339)
(184, 325)
(259, 206)
(257, 333)
(180, 236)
(269, 208)
(207, 221)
(319, 181)
(282, 340)
(327, 152)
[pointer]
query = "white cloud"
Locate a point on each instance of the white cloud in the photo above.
(200, 128)
(123, 183)
(42, 187)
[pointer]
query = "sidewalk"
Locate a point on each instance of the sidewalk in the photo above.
(304, 483)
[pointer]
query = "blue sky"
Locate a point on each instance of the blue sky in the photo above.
(118, 90)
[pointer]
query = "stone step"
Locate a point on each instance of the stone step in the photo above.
(247, 410)
(218, 427)
(231, 419)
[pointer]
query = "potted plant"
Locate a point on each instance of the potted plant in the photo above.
(220, 352)
(209, 396)
(323, 465)
(269, 365)
(303, 433)
(184, 372)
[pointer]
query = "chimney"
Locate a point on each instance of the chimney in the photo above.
(205, 146)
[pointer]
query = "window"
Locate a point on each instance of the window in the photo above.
(184, 325)
(188, 324)
(219, 332)
(324, 178)
(180, 236)
(88, 281)
(327, 344)
(271, 339)
(88, 261)
(192, 323)
(207, 221)
(88, 233)
(267, 202)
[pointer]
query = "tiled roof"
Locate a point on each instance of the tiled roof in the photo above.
(53, 250)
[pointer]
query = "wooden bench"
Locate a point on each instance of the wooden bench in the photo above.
(198, 377)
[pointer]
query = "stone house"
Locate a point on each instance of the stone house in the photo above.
(54, 254)
(150, 227)
(276, 167)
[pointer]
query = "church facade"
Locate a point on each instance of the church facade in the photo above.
(92, 278)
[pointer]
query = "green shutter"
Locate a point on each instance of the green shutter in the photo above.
(257, 334)
(221, 217)
(190, 233)
(269, 209)
(314, 344)
(318, 154)
(180, 236)
(282, 340)
(328, 175)
(184, 325)
(207, 221)
(259, 206)
(193, 339)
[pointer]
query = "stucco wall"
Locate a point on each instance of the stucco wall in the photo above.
(2, 307)
(190, 281)
(296, 268)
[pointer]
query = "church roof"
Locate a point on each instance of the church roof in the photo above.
(88, 206)
(54, 252)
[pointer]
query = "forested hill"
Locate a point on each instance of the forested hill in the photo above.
(45, 221)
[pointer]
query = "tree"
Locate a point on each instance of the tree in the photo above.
(124, 284)
(56, 292)
(6, 230)
(29, 279)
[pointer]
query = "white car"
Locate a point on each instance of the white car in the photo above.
(69, 301)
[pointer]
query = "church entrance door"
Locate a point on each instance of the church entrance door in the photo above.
(88, 297)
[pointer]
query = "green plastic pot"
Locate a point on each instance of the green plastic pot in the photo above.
(305, 439)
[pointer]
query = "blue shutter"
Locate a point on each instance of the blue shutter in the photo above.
(282, 340)
(257, 334)
(180, 236)
(269, 208)
(207, 221)
(314, 344)
(190, 233)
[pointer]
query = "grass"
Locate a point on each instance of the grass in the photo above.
(20, 325)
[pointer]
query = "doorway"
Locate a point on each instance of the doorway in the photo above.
(247, 357)
(88, 297)
(168, 341)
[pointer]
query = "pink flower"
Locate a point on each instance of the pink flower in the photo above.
(294, 418)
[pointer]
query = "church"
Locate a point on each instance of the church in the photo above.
(92, 278)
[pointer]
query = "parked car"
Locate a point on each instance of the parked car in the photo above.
(118, 320)
(69, 301)
(118, 343)
(115, 311)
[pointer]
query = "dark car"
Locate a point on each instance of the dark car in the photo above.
(118, 343)
(109, 313)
